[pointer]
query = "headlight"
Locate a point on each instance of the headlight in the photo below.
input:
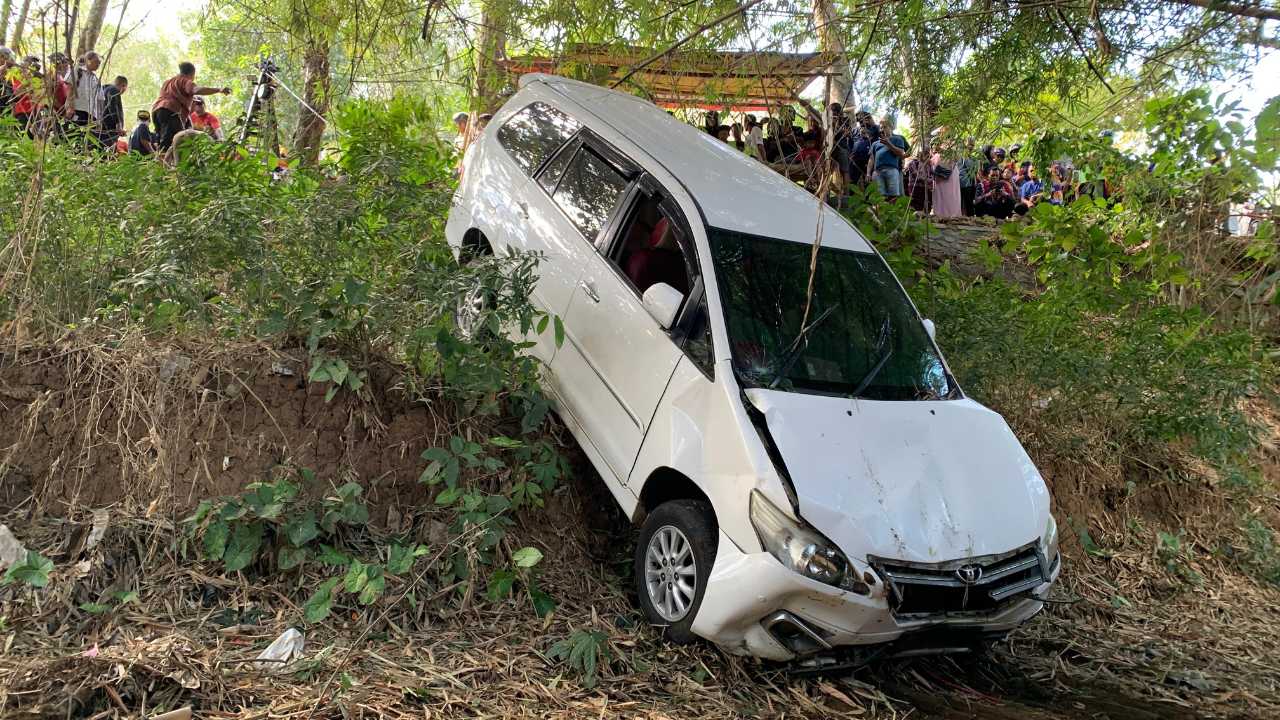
(800, 547)
(1050, 540)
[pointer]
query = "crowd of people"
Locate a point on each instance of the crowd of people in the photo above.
(946, 181)
(55, 99)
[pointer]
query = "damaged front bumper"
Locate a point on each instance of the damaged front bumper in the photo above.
(755, 606)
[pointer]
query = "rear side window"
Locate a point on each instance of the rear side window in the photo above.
(550, 175)
(589, 192)
(534, 134)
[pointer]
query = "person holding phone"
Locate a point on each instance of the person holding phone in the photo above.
(887, 152)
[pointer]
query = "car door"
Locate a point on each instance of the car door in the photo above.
(539, 140)
(619, 357)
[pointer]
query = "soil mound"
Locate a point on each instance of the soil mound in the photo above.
(162, 426)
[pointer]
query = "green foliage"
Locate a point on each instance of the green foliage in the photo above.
(1143, 371)
(271, 521)
(467, 474)
(584, 652)
(502, 582)
(117, 600)
(32, 571)
(268, 520)
(1173, 551)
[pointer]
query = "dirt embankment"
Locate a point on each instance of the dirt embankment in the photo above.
(136, 426)
(150, 432)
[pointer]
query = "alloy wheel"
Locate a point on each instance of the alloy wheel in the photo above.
(469, 313)
(670, 573)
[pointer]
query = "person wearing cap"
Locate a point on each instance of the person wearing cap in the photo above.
(172, 108)
(1014, 149)
(205, 121)
(142, 140)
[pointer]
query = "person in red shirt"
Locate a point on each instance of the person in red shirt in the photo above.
(205, 121)
(24, 89)
(172, 109)
(56, 79)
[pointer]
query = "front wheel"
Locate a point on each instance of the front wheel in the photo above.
(472, 307)
(470, 312)
(674, 555)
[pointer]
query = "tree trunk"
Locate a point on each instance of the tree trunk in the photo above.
(832, 45)
(919, 80)
(92, 27)
(6, 9)
(490, 48)
(20, 25)
(315, 96)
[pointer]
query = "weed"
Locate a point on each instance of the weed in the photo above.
(584, 652)
(1175, 553)
(33, 571)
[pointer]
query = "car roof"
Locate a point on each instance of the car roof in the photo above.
(735, 192)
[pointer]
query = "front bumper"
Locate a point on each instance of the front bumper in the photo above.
(747, 592)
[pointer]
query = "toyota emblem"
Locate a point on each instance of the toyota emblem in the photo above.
(969, 574)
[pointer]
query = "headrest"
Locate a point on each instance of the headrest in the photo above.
(659, 234)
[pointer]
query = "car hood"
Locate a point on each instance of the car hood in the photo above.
(921, 481)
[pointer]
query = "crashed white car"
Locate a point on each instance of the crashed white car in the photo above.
(810, 481)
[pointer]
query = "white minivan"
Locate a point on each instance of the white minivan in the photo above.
(810, 481)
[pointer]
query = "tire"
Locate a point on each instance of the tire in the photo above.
(472, 304)
(674, 607)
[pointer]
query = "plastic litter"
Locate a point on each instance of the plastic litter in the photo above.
(11, 551)
(101, 519)
(282, 651)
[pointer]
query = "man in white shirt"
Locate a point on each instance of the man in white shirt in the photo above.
(755, 138)
(87, 109)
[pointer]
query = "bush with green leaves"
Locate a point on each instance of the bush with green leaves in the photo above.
(484, 484)
(1142, 372)
(269, 522)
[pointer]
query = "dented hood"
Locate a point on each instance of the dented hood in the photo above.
(923, 481)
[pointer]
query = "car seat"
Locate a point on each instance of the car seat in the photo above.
(660, 261)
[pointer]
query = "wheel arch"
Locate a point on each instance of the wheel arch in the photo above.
(475, 244)
(663, 485)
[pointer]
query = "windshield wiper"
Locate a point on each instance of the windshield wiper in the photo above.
(793, 350)
(885, 353)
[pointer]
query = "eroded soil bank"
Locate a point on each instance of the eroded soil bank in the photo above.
(147, 433)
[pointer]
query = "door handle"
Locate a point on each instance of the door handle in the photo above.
(524, 209)
(590, 290)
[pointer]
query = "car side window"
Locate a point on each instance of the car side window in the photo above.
(589, 192)
(650, 246)
(697, 343)
(551, 174)
(534, 134)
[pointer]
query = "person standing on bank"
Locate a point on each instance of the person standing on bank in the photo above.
(113, 111)
(86, 111)
(887, 152)
(173, 108)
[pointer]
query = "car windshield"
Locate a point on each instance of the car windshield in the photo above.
(864, 336)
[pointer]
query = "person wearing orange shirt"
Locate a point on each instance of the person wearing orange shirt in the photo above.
(205, 121)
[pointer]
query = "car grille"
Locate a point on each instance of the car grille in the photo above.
(969, 586)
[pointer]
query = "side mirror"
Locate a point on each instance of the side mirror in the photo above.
(663, 302)
(931, 329)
